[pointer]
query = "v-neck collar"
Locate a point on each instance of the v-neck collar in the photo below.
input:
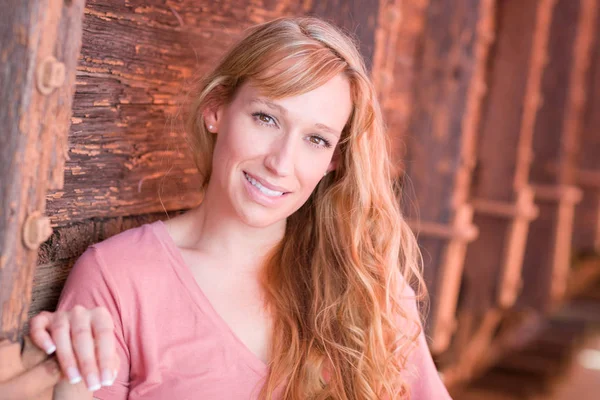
(188, 280)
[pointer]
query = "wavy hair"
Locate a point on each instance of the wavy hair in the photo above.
(334, 285)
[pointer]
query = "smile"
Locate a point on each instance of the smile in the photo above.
(261, 188)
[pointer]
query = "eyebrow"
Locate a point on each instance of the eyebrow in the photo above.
(284, 111)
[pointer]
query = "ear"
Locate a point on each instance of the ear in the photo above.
(212, 115)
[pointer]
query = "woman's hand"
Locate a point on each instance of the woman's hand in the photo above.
(84, 343)
(26, 373)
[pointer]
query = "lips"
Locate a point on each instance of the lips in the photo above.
(265, 184)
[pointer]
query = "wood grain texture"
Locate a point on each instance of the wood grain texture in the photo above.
(396, 78)
(36, 126)
(547, 256)
(15, 89)
(586, 232)
(358, 17)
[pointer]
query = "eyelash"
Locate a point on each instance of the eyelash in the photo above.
(259, 114)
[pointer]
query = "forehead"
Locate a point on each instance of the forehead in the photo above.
(329, 104)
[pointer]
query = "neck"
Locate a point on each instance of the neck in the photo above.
(218, 231)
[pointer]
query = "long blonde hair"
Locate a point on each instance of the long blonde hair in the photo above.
(335, 282)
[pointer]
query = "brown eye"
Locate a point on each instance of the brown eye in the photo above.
(318, 141)
(264, 119)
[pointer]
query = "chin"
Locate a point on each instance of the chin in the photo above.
(261, 219)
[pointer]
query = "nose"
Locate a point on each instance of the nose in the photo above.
(280, 159)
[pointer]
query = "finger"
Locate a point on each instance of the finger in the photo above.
(33, 382)
(60, 330)
(83, 345)
(38, 331)
(103, 331)
(31, 355)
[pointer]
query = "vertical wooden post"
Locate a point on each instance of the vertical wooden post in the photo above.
(586, 232)
(43, 39)
(503, 207)
(555, 144)
(446, 107)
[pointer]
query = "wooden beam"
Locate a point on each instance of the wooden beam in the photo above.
(586, 231)
(557, 134)
(42, 39)
(503, 208)
(446, 96)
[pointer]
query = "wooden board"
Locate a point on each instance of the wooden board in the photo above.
(501, 198)
(555, 143)
(445, 110)
(38, 61)
(395, 79)
(586, 231)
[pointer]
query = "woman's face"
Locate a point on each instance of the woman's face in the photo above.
(270, 154)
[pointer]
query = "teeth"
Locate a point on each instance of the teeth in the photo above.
(268, 192)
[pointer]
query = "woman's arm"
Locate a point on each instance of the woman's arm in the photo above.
(91, 290)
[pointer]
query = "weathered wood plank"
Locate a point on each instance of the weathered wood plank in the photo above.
(555, 142)
(586, 231)
(396, 79)
(358, 17)
(42, 39)
(440, 140)
(503, 208)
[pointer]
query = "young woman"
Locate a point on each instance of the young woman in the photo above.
(291, 279)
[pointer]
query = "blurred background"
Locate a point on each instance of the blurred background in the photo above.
(493, 113)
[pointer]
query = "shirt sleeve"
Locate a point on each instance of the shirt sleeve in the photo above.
(423, 378)
(90, 285)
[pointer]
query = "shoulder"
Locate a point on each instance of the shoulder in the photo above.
(131, 239)
(124, 254)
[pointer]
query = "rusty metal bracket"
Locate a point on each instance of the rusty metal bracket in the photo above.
(465, 233)
(36, 230)
(514, 251)
(460, 234)
(50, 75)
(558, 193)
(519, 209)
(567, 196)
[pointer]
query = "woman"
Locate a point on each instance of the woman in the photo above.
(290, 280)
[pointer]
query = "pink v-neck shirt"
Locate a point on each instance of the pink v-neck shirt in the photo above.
(171, 342)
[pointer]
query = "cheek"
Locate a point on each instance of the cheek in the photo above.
(311, 173)
(235, 144)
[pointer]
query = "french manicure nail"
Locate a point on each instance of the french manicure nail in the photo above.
(108, 378)
(93, 383)
(50, 347)
(73, 375)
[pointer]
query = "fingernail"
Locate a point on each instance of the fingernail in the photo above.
(108, 378)
(73, 375)
(92, 382)
(50, 347)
